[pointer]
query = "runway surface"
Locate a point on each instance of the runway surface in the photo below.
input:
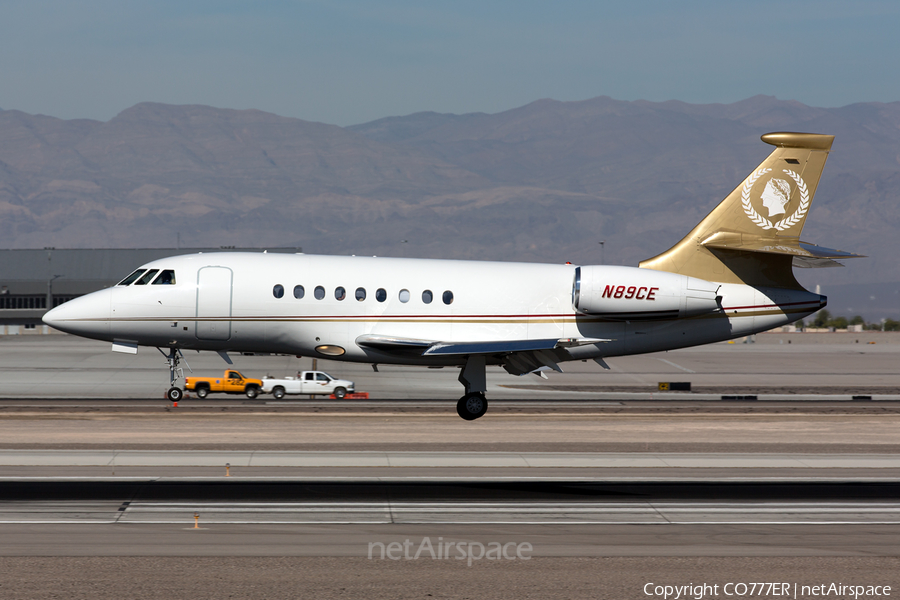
(611, 483)
(448, 513)
(353, 503)
(342, 518)
(459, 467)
(327, 578)
(63, 366)
(742, 427)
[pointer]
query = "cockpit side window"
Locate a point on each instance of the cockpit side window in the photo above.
(147, 277)
(167, 277)
(130, 279)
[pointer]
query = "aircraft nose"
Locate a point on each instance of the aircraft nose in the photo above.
(86, 316)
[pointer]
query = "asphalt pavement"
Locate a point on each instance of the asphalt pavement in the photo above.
(606, 484)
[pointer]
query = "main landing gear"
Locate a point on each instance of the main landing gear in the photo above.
(473, 405)
(174, 393)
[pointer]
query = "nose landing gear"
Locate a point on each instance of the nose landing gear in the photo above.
(174, 393)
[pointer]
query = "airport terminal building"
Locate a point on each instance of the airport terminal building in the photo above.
(34, 281)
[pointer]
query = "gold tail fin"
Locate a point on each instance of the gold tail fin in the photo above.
(753, 235)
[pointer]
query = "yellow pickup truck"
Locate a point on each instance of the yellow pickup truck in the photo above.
(231, 382)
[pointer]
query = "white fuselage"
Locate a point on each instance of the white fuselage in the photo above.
(227, 302)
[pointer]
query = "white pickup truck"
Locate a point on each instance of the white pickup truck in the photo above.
(308, 382)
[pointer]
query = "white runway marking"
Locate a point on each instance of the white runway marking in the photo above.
(434, 460)
(455, 513)
(671, 364)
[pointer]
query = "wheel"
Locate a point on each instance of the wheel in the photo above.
(278, 392)
(340, 392)
(202, 391)
(252, 392)
(174, 394)
(472, 406)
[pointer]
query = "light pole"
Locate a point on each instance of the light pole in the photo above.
(602, 246)
(50, 291)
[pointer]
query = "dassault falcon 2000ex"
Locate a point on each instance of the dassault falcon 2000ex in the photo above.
(731, 276)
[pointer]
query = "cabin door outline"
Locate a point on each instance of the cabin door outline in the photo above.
(214, 290)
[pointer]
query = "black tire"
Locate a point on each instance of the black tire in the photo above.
(340, 392)
(252, 391)
(174, 394)
(202, 391)
(278, 392)
(472, 406)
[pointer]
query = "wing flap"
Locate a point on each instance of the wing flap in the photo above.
(492, 347)
(396, 345)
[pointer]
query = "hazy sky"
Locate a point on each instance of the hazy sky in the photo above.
(347, 62)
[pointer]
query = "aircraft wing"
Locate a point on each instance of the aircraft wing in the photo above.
(520, 356)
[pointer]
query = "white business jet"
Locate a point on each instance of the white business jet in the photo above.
(731, 276)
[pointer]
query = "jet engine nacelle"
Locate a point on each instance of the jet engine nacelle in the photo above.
(633, 294)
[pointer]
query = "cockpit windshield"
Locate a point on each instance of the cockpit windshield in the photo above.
(143, 277)
(130, 279)
(146, 277)
(167, 277)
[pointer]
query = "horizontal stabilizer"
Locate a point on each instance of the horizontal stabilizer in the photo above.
(805, 255)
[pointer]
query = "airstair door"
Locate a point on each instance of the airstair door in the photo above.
(214, 303)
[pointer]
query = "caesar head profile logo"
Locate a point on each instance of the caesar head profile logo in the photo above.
(776, 198)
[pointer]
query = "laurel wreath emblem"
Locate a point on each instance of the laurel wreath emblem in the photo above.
(757, 218)
(765, 223)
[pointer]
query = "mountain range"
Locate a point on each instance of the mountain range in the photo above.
(543, 182)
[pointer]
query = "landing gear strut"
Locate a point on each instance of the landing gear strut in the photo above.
(474, 404)
(174, 394)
